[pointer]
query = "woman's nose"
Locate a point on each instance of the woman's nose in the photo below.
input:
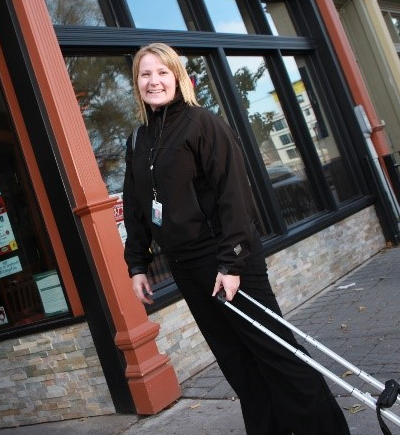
(154, 79)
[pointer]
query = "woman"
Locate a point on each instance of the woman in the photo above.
(186, 187)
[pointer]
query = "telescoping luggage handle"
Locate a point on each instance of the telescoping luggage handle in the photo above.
(389, 392)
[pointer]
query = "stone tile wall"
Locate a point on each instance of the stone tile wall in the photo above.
(56, 375)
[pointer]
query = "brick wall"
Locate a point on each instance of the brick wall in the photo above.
(56, 375)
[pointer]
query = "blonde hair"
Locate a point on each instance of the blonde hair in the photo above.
(169, 57)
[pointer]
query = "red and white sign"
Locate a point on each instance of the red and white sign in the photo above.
(7, 238)
(119, 216)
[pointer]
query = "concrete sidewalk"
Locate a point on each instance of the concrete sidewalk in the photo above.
(358, 317)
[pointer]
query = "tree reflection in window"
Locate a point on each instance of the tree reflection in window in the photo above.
(103, 86)
(286, 173)
(201, 80)
(75, 12)
(262, 122)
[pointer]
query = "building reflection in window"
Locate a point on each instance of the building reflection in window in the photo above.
(75, 12)
(337, 172)
(279, 152)
(278, 18)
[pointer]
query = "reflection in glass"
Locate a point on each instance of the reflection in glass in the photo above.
(278, 18)
(157, 14)
(226, 16)
(203, 83)
(336, 170)
(396, 24)
(75, 12)
(281, 157)
(103, 88)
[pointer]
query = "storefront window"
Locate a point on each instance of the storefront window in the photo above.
(30, 285)
(160, 14)
(75, 12)
(279, 152)
(337, 172)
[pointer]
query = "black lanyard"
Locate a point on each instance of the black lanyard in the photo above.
(152, 159)
(154, 151)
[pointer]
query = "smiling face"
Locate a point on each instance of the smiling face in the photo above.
(156, 82)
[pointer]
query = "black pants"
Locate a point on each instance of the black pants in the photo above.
(279, 394)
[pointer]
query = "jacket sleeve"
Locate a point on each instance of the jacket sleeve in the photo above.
(137, 245)
(224, 168)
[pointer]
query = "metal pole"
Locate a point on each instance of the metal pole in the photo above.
(358, 372)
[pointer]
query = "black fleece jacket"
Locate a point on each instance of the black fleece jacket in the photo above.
(199, 177)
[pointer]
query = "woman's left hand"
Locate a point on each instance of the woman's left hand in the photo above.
(230, 283)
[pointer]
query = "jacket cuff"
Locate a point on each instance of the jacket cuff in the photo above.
(228, 271)
(137, 271)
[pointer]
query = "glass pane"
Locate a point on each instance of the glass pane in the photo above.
(103, 87)
(226, 16)
(75, 12)
(30, 286)
(336, 168)
(279, 152)
(396, 23)
(159, 14)
(203, 83)
(278, 18)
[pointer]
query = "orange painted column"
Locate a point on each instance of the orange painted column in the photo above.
(352, 72)
(152, 380)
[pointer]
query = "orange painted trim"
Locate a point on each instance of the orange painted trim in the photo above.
(37, 182)
(352, 72)
(98, 206)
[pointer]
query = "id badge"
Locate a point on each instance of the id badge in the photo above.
(156, 213)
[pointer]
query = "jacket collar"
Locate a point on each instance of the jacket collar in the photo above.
(168, 112)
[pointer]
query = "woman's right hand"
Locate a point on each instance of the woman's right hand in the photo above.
(142, 288)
